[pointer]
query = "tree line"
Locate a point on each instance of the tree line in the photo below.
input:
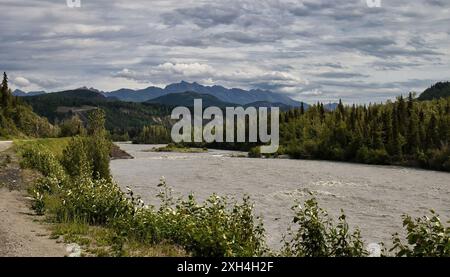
(404, 132)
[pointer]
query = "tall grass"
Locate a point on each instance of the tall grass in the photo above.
(52, 145)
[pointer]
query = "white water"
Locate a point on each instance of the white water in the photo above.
(373, 197)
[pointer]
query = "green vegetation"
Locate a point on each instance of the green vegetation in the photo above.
(17, 120)
(54, 145)
(406, 132)
(317, 236)
(172, 147)
(155, 134)
(255, 152)
(70, 127)
(426, 237)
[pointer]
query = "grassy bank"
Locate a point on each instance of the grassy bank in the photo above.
(55, 146)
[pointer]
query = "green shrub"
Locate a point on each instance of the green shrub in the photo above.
(439, 158)
(71, 127)
(379, 156)
(255, 152)
(43, 161)
(317, 236)
(213, 228)
(426, 237)
(96, 201)
(75, 158)
(38, 204)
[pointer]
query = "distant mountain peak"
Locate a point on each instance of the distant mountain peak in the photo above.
(21, 93)
(90, 89)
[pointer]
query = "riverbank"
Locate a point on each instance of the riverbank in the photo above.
(48, 194)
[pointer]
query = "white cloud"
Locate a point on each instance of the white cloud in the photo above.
(189, 70)
(81, 29)
(21, 82)
(313, 92)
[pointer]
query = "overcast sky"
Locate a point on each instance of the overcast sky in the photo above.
(311, 50)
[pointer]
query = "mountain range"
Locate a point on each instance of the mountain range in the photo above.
(187, 99)
(21, 93)
(234, 95)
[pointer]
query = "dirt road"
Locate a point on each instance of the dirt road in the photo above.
(20, 233)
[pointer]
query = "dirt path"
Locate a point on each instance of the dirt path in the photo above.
(5, 145)
(20, 233)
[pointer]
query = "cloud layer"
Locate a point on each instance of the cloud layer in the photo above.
(311, 50)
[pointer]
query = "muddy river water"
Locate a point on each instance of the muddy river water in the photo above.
(373, 197)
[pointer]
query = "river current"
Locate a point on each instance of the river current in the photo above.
(373, 197)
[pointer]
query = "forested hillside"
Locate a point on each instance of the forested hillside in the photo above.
(439, 90)
(17, 119)
(406, 132)
(122, 118)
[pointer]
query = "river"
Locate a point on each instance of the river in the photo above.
(372, 197)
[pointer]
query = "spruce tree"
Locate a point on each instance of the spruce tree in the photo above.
(5, 91)
(432, 138)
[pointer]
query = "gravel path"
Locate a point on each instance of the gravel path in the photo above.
(20, 233)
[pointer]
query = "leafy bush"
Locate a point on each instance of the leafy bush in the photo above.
(439, 158)
(42, 160)
(95, 201)
(38, 204)
(426, 237)
(317, 236)
(214, 228)
(71, 127)
(75, 158)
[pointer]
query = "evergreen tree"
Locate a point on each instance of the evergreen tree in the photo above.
(5, 92)
(432, 139)
(395, 147)
(401, 115)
